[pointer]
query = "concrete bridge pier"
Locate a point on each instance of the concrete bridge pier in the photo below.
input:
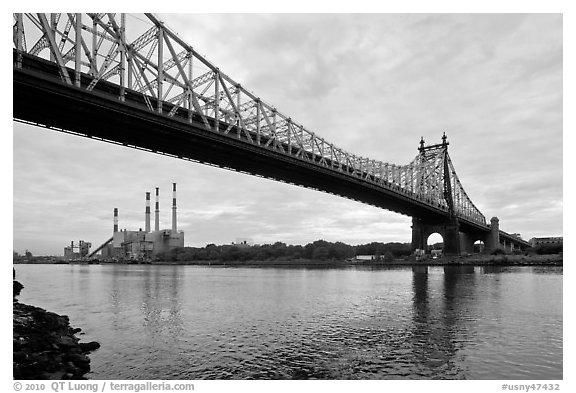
(492, 241)
(452, 239)
(449, 231)
(508, 246)
(467, 243)
(456, 242)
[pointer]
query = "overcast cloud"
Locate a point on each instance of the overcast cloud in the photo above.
(372, 84)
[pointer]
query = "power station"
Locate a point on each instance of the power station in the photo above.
(143, 245)
(82, 247)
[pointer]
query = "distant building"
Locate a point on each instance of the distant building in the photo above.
(535, 241)
(141, 244)
(243, 242)
(364, 258)
(436, 253)
(144, 244)
(82, 247)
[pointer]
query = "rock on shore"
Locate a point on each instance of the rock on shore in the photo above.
(45, 345)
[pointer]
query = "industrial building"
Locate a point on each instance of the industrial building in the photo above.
(143, 245)
(535, 241)
(243, 242)
(82, 247)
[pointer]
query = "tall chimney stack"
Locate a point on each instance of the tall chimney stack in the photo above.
(157, 212)
(174, 208)
(115, 219)
(147, 227)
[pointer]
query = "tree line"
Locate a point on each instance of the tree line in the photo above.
(319, 250)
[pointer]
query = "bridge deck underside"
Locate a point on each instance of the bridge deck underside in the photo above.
(40, 97)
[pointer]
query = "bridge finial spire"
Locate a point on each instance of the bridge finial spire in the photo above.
(444, 139)
(421, 148)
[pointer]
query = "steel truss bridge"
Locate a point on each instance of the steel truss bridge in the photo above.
(96, 76)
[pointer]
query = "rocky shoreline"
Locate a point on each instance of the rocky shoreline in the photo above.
(45, 346)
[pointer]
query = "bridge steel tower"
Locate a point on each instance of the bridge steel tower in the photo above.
(434, 165)
(435, 171)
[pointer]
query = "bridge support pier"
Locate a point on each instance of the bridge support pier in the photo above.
(493, 239)
(456, 242)
(466, 243)
(449, 231)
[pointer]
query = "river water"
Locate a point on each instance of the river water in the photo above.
(193, 322)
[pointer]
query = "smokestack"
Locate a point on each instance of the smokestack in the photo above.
(147, 226)
(157, 212)
(174, 208)
(115, 219)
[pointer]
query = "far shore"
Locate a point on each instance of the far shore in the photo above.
(470, 260)
(473, 260)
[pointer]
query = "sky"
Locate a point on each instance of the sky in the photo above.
(372, 84)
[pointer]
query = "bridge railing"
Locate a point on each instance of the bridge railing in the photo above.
(173, 79)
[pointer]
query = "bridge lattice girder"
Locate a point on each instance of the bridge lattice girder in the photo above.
(175, 80)
(429, 183)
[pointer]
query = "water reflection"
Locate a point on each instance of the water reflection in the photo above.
(161, 305)
(440, 319)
